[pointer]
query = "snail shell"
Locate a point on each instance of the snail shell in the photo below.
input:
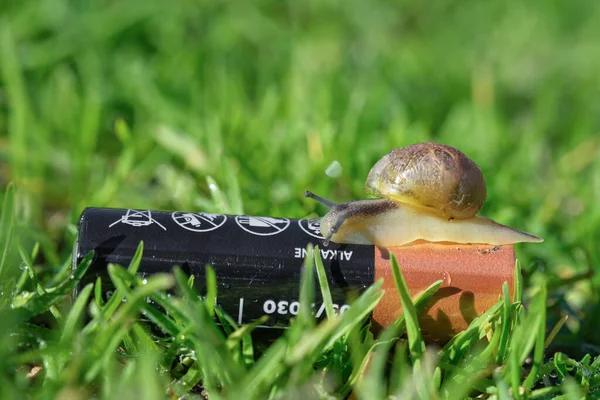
(429, 192)
(432, 176)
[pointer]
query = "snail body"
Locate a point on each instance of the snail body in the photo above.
(428, 191)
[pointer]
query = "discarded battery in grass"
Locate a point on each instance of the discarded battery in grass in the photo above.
(258, 262)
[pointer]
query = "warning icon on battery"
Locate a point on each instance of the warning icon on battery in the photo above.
(199, 222)
(262, 226)
(312, 227)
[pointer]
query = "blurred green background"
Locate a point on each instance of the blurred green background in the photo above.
(231, 106)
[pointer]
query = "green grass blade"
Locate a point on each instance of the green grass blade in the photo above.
(6, 236)
(143, 342)
(371, 384)
(506, 324)
(159, 318)
(539, 331)
(211, 290)
(39, 304)
(116, 329)
(269, 366)
(218, 196)
(324, 285)
(234, 191)
(463, 382)
(330, 330)
(75, 314)
(572, 390)
(460, 344)
(241, 332)
(218, 365)
(228, 324)
(27, 263)
(555, 330)
(185, 287)
(98, 293)
(416, 344)
(529, 333)
(192, 377)
(117, 296)
(169, 306)
(305, 318)
(518, 285)
(16, 92)
(358, 311)
(400, 370)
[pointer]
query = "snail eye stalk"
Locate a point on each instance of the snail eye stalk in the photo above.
(325, 202)
(334, 228)
(340, 216)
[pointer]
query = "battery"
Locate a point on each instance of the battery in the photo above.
(257, 260)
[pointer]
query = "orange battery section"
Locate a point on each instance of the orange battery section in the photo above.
(473, 276)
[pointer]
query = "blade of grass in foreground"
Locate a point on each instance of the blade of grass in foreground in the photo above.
(358, 311)
(372, 369)
(41, 303)
(518, 288)
(459, 346)
(416, 344)
(538, 330)
(506, 323)
(111, 334)
(305, 318)
(27, 264)
(76, 314)
(325, 292)
(529, 333)
(6, 229)
(218, 365)
(283, 355)
(117, 296)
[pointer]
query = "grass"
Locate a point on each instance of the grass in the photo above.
(236, 107)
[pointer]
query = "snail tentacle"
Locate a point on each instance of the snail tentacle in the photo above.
(331, 228)
(325, 202)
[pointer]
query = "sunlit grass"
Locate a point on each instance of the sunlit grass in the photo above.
(237, 107)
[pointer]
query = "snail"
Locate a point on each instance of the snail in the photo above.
(426, 191)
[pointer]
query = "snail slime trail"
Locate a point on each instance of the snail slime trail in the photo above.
(258, 263)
